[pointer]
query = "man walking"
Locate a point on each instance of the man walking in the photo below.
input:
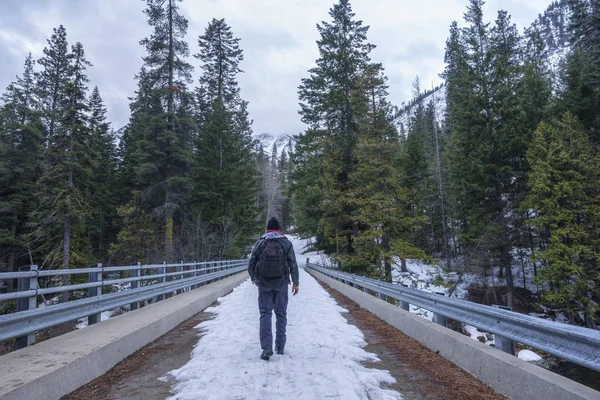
(272, 261)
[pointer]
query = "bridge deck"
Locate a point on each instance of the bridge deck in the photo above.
(323, 355)
(327, 356)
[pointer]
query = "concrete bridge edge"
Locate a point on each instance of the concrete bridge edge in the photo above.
(56, 367)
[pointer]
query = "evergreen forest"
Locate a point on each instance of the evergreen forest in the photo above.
(493, 174)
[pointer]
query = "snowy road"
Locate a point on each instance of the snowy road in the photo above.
(322, 361)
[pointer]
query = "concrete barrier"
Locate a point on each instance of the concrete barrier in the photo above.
(56, 367)
(504, 373)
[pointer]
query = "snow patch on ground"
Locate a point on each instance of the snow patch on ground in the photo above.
(323, 356)
(528, 355)
(482, 337)
(429, 278)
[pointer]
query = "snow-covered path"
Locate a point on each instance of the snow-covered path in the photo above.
(322, 360)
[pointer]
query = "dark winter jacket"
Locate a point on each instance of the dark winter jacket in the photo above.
(291, 265)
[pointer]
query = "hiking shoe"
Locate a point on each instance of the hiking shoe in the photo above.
(266, 354)
(279, 351)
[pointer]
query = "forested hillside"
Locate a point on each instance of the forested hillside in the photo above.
(180, 181)
(494, 173)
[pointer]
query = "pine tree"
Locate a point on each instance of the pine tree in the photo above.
(417, 159)
(469, 116)
(224, 173)
(102, 194)
(456, 76)
(143, 105)
(580, 78)
(327, 110)
(578, 94)
(220, 55)
(306, 185)
(61, 229)
(565, 194)
(52, 80)
(487, 157)
(137, 241)
(162, 153)
(536, 90)
(376, 194)
(21, 145)
(507, 163)
(535, 97)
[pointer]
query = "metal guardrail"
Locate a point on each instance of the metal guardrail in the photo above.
(573, 343)
(28, 319)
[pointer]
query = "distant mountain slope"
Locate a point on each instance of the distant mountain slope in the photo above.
(267, 139)
(554, 27)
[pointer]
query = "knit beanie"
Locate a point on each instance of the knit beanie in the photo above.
(273, 225)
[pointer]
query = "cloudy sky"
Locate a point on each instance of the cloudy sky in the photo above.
(278, 39)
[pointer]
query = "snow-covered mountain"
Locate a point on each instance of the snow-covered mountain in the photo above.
(403, 114)
(554, 26)
(268, 139)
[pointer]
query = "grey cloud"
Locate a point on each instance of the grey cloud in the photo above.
(419, 51)
(277, 55)
(10, 66)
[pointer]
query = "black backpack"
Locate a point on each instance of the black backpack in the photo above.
(271, 260)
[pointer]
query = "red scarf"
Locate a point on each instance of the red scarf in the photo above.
(276, 231)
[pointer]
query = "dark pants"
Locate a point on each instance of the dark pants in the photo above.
(269, 299)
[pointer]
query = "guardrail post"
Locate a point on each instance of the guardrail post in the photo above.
(382, 296)
(95, 292)
(502, 342)
(168, 279)
(179, 269)
(505, 344)
(365, 289)
(195, 273)
(438, 318)
(135, 273)
(26, 303)
(404, 304)
(161, 271)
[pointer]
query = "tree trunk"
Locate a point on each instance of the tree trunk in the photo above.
(403, 266)
(385, 243)
(523, 270)
(170, 111)
(169, 229)
(170, 61)
(66, 255)
(438, 168)
(10, 284)
(493, 285)
(67, 225)
(506, 263)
